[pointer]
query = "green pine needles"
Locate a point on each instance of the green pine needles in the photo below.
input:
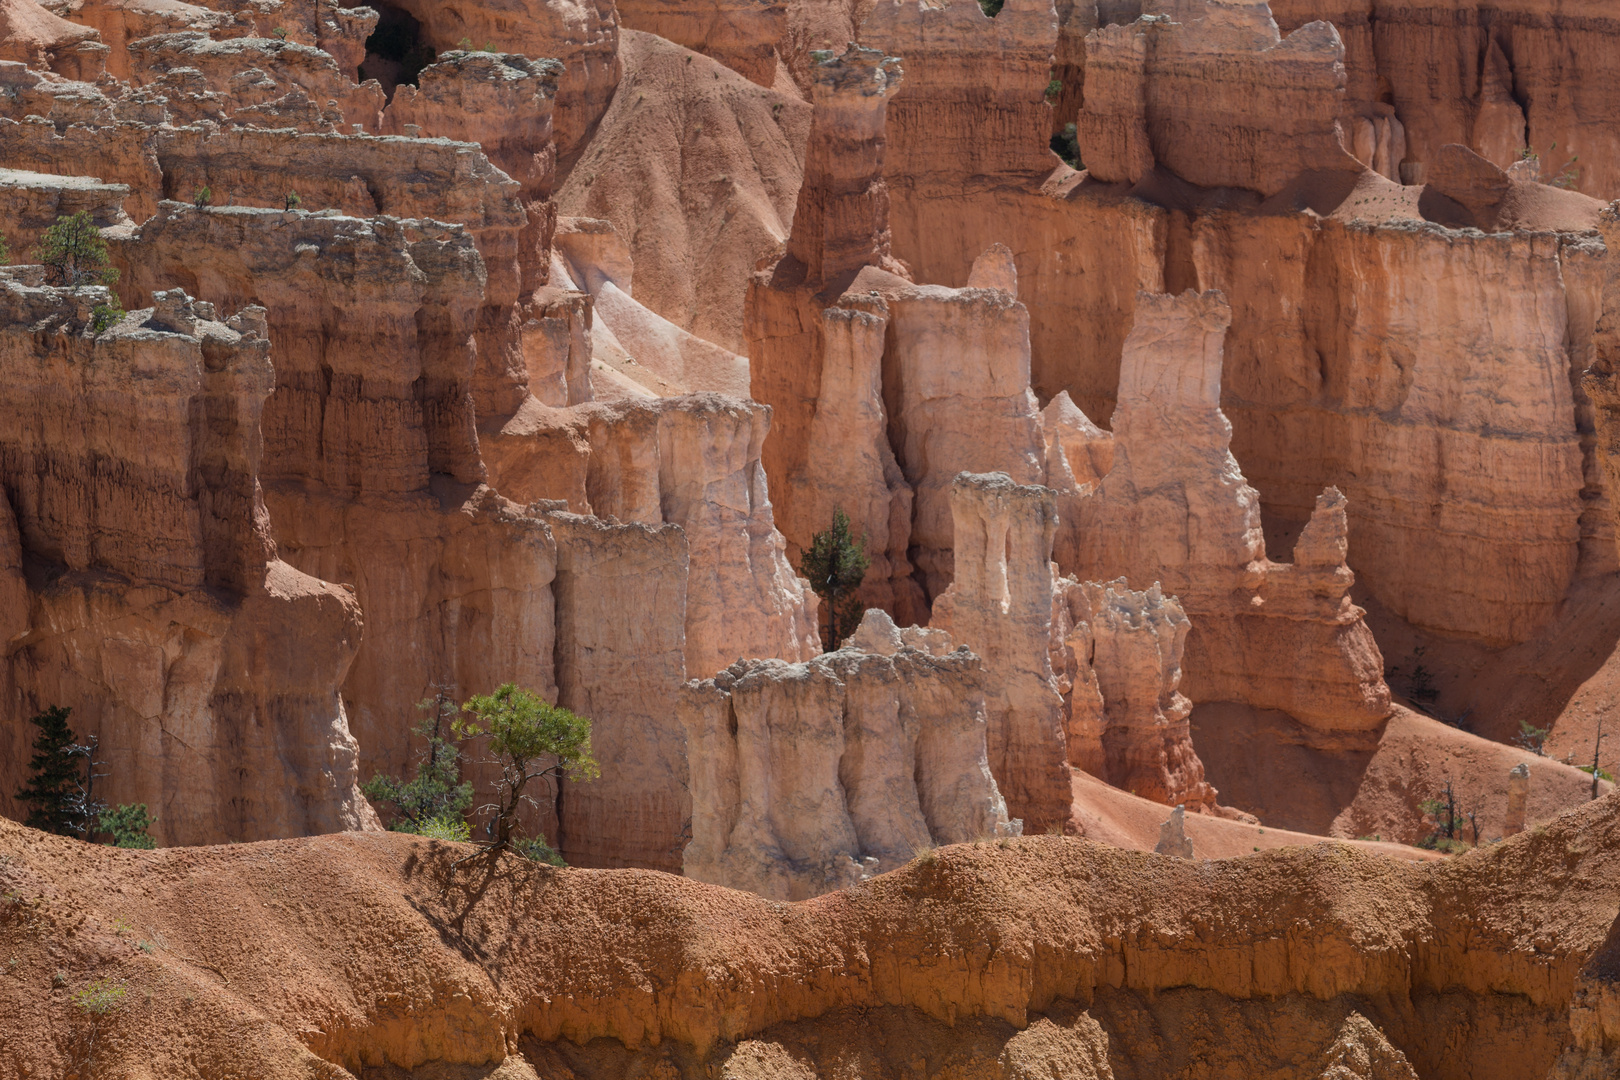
(432, 802)
(55, 776)
(74, 253)
(835, 564)
(60, 792)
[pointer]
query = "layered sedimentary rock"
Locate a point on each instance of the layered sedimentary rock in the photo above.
(583, 35)
(154, 604)
(1166, 89)
(217, 80)
(690, 461)
(820, 367)
(999, 605)
(973, 109)
(621, 596)
(810, 777)
(1136, 641)
(741, 34)
(29, 34)
(1494, 77)
(698, 169)
(371, 464)
(1175, 509)
(31, 202)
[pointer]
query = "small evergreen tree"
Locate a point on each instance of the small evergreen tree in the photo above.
(54, 775)
(528, 738)
(5, 250)
(127, 825)
(74, 252)
(835, 564)
(434, 800)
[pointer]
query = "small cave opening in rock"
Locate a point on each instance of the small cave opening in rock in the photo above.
(395, 51)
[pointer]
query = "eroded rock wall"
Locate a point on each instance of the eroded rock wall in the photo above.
(154, 604)
(1175, 508)
(371, 467)
(810, 777)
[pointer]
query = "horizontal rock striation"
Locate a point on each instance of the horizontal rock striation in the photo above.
(810, 777)
(148, 595)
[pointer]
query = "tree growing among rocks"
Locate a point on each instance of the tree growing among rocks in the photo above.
(61, 791)
(528, 738)
(74, 253)
(835, 564)
(433, 801)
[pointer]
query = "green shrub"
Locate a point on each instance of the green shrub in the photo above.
(105, 316)
(127, 824)
(436, 792)
(535, 849)
(446, 827)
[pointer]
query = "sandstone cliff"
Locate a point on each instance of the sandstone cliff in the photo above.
(145, 591)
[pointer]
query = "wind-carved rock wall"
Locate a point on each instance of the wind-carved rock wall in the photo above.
(1127, 722)
(692, 461)
(810, 777)
(973, 113)
(820, 366)
(153, 603)
(1175, 509)
(1000, 606)
(621, 595)
(1493, 77)
(371, 467)
(1076, 673)
(1211, 91)
(582, 34)
(884, 390)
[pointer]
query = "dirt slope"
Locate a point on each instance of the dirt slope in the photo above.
(699, 170)
(291, 958)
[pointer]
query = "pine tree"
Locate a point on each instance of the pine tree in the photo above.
(74, 252)
(835, 564)
(436, 797)
(54, 788)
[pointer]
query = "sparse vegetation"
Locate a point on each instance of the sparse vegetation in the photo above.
(128, 825)
(5, 251)
(436, 795)
(105, 316)
(529, 739)
(293, 201)
(74, 253)
(202, 197)
(1054, 89)
(1532, 738)
(1446, 813)
(97, 1002)
(280, 33)
(60, 790)
(835, 564)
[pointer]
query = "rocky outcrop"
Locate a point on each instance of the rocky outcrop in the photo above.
(810, 777)
(621, 596)
(999, 605)
(690, 461)
(205, 79)
(1136, 640)
(1164, 90)
(698, 170)
(1485, 76)
(1594, 1016)
(1175, 508)
(371, 466)
(31, 202)
(584, 36)
(741, 34)
(31, 35)
(155, 605)
(974, 101)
